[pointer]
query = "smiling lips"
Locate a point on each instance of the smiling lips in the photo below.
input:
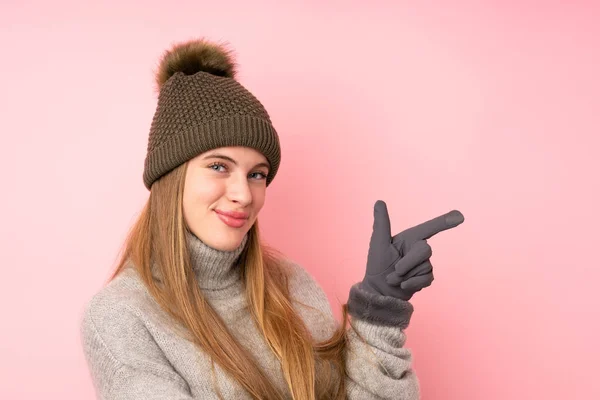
(233, 219)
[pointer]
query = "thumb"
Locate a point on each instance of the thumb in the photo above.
(382, 231)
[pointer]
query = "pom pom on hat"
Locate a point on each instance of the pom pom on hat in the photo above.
(194, 56)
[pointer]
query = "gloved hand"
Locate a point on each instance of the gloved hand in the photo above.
(400, 266)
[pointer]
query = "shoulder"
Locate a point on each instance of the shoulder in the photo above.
(118, 312)
(124, 294)
(119, 330)
(310, 301)
(303, 284)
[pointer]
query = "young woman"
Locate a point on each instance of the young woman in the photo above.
(199, 308)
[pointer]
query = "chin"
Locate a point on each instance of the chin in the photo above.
(227, 244)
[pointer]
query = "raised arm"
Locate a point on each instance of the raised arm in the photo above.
(379, 366)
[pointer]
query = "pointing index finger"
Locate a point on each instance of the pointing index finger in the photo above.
(433, 226)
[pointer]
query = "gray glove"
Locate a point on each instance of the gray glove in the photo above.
(399, 266)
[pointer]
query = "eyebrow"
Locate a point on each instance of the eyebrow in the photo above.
(224, 157)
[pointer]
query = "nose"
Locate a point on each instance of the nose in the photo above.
(238, 190)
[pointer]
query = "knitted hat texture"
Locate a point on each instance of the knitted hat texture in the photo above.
(201, 106)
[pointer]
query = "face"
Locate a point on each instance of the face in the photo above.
(227, 179)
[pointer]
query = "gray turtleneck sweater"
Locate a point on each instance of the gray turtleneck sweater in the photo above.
(134, 354)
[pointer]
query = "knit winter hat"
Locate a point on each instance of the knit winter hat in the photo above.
(202, 107)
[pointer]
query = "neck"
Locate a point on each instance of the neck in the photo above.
(215, 269)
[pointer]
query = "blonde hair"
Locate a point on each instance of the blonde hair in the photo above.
(161, 228)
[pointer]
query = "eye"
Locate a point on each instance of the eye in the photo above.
(261, 175)
(217, 164)
(264, 176)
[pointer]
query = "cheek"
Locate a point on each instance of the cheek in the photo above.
(198, 195)
(258, 198)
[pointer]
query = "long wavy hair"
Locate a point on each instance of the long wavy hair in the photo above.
(312, 370)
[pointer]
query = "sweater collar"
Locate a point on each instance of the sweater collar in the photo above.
(214, 269)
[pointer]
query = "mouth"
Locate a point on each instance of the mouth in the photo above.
(230, 219)
(233, 214)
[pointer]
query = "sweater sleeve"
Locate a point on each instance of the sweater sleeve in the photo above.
(124, 361)
(378, 364)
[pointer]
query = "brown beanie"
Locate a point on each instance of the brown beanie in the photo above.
(201, 107)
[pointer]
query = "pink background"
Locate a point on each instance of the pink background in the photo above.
(488, 107)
